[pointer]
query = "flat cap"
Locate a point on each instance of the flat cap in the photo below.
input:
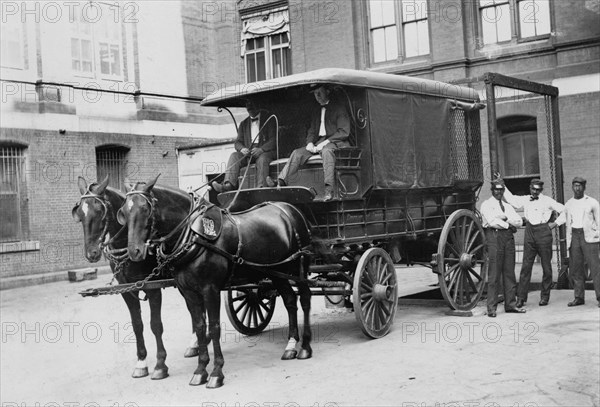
(497, 185)
(536, 183)
(579, 180)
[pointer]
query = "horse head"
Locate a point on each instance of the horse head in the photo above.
(94, 212)
(139, 214)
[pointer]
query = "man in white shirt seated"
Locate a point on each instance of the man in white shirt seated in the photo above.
(583, 237)
(538, 237)
(500, 222)
(329, 130)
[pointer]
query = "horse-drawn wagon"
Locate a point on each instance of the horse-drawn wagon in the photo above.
(405, 191)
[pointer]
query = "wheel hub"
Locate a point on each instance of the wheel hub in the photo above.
(467, 260)
(381, 292)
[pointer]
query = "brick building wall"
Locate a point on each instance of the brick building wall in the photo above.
(53, 163)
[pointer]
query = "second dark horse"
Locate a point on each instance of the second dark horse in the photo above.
(268, 241)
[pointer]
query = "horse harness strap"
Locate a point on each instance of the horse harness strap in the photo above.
(237, 259)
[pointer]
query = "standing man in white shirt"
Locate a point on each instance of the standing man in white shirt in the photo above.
(583, 237)
(538, 237)
(500, 222)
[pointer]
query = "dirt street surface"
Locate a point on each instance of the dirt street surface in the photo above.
(59, 349)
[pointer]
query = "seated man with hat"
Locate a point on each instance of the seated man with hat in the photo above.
(255, 143)
(583, 237)
(538, 210)
(500, 222)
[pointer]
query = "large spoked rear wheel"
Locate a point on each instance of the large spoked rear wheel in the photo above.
(375, 293)
(250, 309)
(462, 260)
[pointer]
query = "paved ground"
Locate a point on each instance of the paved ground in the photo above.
(60, 349)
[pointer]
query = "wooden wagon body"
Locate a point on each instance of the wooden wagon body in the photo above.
(405, 190)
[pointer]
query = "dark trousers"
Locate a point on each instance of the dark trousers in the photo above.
(237, 161)
(501, 269)
(579, 251)
(300, 155)
(538, 241)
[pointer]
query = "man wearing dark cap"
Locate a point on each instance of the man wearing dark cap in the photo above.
(329, 130)
(538, 209)
(500, 222)
(255, 143)
(583, 237)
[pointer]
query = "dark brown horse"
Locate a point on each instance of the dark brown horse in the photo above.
(96, 210)
(221, 248)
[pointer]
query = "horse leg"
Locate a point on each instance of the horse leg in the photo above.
(305, 296)
(212, 296)
(133, 304)
(192, 349)
(195, 304)
(289, 299)
(161, 370)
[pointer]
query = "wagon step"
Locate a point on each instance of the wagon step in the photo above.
(324, 268)
(129, 287)
(323, 283)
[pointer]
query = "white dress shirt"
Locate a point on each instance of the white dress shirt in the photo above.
(539, 210)
(493, 215)
(589, 219)
(254, 129)
(322, 131)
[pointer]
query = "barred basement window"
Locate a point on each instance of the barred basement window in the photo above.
(12, 188)
(112, 161)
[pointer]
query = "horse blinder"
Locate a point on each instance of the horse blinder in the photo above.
(121, 217)
(75, 214)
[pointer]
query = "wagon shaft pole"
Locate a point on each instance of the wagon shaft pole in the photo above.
(129, 287)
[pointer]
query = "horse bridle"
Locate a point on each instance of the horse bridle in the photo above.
(151, 200)
(105, 207)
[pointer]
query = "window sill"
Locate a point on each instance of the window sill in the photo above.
(45, 107)
(20, 246)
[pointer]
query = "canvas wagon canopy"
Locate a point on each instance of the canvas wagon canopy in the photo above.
(413, 132)
(233, 96)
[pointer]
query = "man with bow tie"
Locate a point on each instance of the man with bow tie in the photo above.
(329, 130)
(538, 210)
(500, 222)
(255, 143)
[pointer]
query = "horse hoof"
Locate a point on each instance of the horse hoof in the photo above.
(305, 354)
(159, 374)
(140, 372)
(198, 379)
(289, 355)
(191, 352)
(215, 382)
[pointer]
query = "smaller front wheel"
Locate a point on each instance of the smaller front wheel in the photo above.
(250, 309)
(375, 293)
